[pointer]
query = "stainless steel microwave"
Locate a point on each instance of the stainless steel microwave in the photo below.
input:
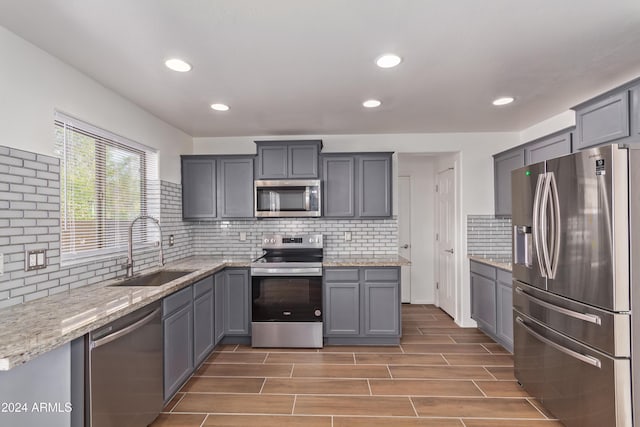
(287, 198)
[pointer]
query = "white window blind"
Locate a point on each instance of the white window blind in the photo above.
(105, 182)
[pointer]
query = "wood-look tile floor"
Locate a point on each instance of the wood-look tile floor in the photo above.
(441, 375)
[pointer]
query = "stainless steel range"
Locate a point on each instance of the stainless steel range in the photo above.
(286, 292)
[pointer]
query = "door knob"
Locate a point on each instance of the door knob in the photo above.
(449, 250)
(405, 246)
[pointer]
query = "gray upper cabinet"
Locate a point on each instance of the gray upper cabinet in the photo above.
(357, 185)
(503, 164)
(339, 186)
(199, 195)
(602, 120)
(548, 148)
(215, 187)
(635, 112)
(236, 187)
(287, 159)
(374, 185)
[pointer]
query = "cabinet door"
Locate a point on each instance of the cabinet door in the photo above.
(339, 186)
(237, 299)
(178, 349)
(236, 187)
(219, 302)
(503, 164)
(504, 326)
(342, 308)
(381, 305)
(203, 321)
(483, 302)
(272, 161)
(198, 188)
(548, 148)
(303, 160)
(374, 185)
(635, 112)
(604, 121)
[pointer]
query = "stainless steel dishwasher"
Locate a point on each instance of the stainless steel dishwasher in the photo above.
(125, 370)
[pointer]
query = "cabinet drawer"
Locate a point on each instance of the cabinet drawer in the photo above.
(381, 274)
(483, 270)
(341, 275)
(176, 300)
(203, 286)
(504, 277)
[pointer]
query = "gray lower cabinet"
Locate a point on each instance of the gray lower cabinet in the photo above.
(177, 325)
(219, 301)
(203, 319)
(603, 119)
(357, 185)
(287, 159)
(504, 309)
(503, 164)
(237, 308)
(549, 147)
(491, 302)
(362, 305)
(215, 187)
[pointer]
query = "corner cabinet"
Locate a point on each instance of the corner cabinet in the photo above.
(491, 302)
(216, 187)
(287, 159)
(357, 185)
(503, 164)
(362, 306)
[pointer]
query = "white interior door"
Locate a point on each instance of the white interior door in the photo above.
(404, 234)
(445, 235)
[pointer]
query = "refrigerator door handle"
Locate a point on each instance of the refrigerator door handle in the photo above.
(544, 227)
(536, 223)
(582, 357)
(555, 205)
(591, 318)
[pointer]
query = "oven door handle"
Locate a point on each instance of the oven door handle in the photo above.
(300, 271)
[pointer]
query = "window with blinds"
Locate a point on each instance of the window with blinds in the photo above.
(105, 182)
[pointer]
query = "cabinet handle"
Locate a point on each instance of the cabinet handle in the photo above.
(449, 250)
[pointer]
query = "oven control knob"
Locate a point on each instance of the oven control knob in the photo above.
(272, 241)
(318, 313)
(312, 240)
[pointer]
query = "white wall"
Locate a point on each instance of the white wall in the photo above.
(33, 84)
(421, 169)
(548, 126)
(473, 163)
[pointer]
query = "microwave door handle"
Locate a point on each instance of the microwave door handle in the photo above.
(307, 200)
(555, 205)
(536, 223)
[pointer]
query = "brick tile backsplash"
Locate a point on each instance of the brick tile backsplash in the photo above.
(30, 220)
(489, 236)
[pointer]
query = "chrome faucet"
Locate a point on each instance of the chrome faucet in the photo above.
(130, 258)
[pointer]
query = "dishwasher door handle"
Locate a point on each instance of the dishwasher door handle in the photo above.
(124, 331)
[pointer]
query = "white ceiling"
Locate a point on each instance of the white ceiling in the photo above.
(305, 66)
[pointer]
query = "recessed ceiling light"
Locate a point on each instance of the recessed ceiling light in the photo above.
(371, 103)
(503, 101)
(179, 65)
(388, 60)
(220, 107)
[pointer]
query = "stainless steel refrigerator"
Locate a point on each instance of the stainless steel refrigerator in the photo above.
(576, 222)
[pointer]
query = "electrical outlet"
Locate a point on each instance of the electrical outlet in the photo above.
(347, 236)
(172, 240)
(243, 236)
(35, 260)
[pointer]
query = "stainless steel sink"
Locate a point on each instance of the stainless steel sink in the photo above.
(158, 278)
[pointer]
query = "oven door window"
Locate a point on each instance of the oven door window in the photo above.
(286, 299)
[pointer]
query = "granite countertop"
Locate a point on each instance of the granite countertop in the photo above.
(499, 263)
(31, 329)
(389, 261)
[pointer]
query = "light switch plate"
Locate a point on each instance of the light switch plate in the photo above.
(347, 236)
(243, 236)
(35, 260)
